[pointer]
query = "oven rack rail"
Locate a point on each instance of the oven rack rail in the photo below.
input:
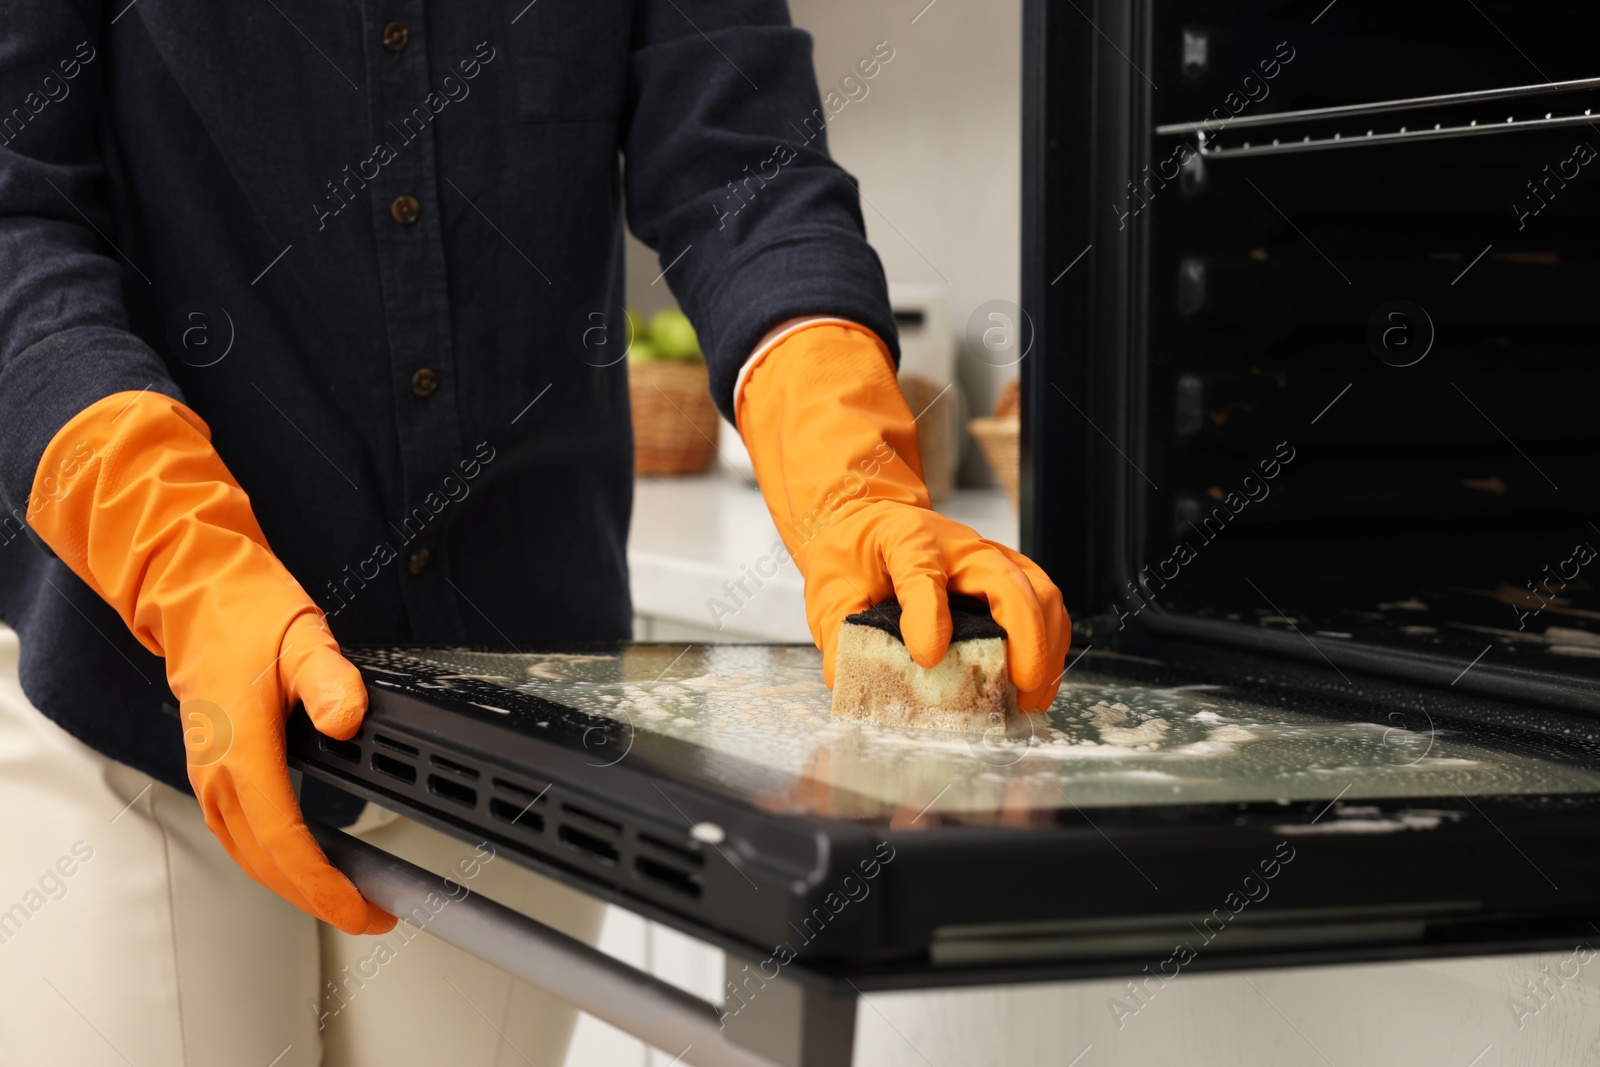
(1285, 143)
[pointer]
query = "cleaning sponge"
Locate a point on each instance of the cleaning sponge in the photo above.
(876, 680)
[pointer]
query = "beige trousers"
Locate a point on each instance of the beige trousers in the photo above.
(128, 937)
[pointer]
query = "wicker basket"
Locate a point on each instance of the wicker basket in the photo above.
(1000, 439)
(674, 421)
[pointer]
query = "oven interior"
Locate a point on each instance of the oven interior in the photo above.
(1326, 387)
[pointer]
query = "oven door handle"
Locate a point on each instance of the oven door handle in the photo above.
(635, 1002)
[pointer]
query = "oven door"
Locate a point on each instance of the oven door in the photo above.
(1232, 812)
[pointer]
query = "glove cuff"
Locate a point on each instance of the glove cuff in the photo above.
(828, 429)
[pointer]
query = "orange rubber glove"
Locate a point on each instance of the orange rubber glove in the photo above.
(834, 448)
(159, 529)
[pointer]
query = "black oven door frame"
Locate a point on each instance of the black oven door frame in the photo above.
(1079, 421)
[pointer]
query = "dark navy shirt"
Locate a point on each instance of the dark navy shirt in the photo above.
(377, 245)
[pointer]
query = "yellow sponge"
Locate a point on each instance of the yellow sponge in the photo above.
(876, 680)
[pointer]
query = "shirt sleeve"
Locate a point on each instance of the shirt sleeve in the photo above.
(64, 336)
(729, 180)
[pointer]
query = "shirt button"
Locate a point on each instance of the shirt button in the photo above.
(417, 562)
(396, 36)
(405, 210)
(425, 382)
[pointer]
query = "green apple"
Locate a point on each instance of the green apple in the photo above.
(642, 351)
(673, 336)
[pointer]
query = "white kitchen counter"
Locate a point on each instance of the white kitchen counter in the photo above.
(693, 537)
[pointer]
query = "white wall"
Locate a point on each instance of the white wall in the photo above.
(936, 148)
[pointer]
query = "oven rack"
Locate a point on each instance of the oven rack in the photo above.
(1209, 146)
